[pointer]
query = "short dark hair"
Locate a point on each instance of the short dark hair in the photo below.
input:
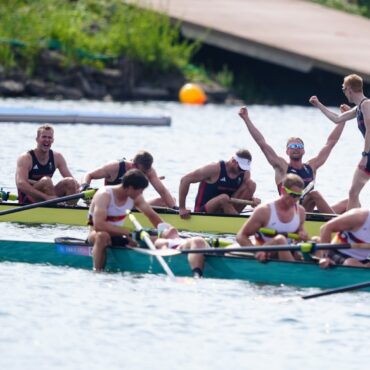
(134, 178)
(144, 159)
(244, 153)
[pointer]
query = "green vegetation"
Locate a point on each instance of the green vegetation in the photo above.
(360, 7)
(89, 32)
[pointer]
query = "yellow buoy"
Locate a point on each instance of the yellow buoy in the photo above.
(192, 94)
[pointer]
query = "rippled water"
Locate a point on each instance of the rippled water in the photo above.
(60, 318)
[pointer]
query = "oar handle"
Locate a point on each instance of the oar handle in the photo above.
(272, 232)
(6, 195)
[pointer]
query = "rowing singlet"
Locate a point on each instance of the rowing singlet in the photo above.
(223, 185)
(360, 118)
(115, 214)
(121, 172)
(362, 235)
(305, 173)
(38, 171)
(274, 223)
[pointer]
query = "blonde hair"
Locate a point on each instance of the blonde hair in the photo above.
(44, 127)
(294, 139)
(355, 82)
(291, 180)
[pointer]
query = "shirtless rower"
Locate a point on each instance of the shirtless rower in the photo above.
(36, 168)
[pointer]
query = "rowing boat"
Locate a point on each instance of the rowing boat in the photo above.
(76, 253)
(198, 222)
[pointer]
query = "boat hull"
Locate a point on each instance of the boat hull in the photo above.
(198, 222)
(79, 255)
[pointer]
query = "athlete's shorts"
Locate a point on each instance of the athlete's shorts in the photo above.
(339, 257)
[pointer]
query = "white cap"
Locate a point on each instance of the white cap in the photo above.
(163, 226)
(244, 163)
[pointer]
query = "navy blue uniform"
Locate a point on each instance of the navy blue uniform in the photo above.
(362, 128)
(121, 172)
(223, 185)
(305, 173)
(38, 171)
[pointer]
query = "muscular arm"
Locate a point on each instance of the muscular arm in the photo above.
(147, 210)
(206, 173)
(24, 165)
(278, 163)
(252, 225)
(160, 188)
(334, 117)
(108, 171)
(348, 221)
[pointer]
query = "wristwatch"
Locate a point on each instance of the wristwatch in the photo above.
(365, 154)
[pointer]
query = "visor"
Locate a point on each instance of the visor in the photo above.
(244, 164)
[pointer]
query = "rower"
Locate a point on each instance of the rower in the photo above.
(108, 210)
(352, 226)
(112, 173)
(219, 183)
(36, 168)
(283, 215)
(295, 151)
(168, 237)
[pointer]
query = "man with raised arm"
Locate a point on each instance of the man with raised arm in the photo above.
(353, 90)
(108, 211)
(36, 168)
(112, 173)
(222, 186)
(295, 151)
(283, 216)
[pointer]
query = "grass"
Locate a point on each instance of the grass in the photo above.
(359, 7)
(90, 32)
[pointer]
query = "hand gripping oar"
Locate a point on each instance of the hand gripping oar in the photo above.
(306, 247)
(84, 195)
(344, 289)
(146, 238)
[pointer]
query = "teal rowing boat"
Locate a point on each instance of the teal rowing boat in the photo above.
(75, 253)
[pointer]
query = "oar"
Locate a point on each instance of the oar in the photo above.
(347, 288)
(306, 247)
(83, 195)
(6, 195)
(307, 189)
(145, 236)
(271, 232)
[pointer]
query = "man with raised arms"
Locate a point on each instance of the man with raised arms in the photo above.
(107, 214)
(283, 216)
(220, 182)
(113, 171)
(295, 151)
(353, 90)
(36, 168)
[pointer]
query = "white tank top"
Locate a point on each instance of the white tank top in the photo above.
(274, 222)
(362, 235)
(115, 214)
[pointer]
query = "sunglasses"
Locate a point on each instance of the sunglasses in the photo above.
(296, 146)
(292, 193)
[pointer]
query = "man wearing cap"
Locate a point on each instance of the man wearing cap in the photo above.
(295, 151)
(219, 184)
(168, 237)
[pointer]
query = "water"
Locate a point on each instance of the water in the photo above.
(59, 318)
